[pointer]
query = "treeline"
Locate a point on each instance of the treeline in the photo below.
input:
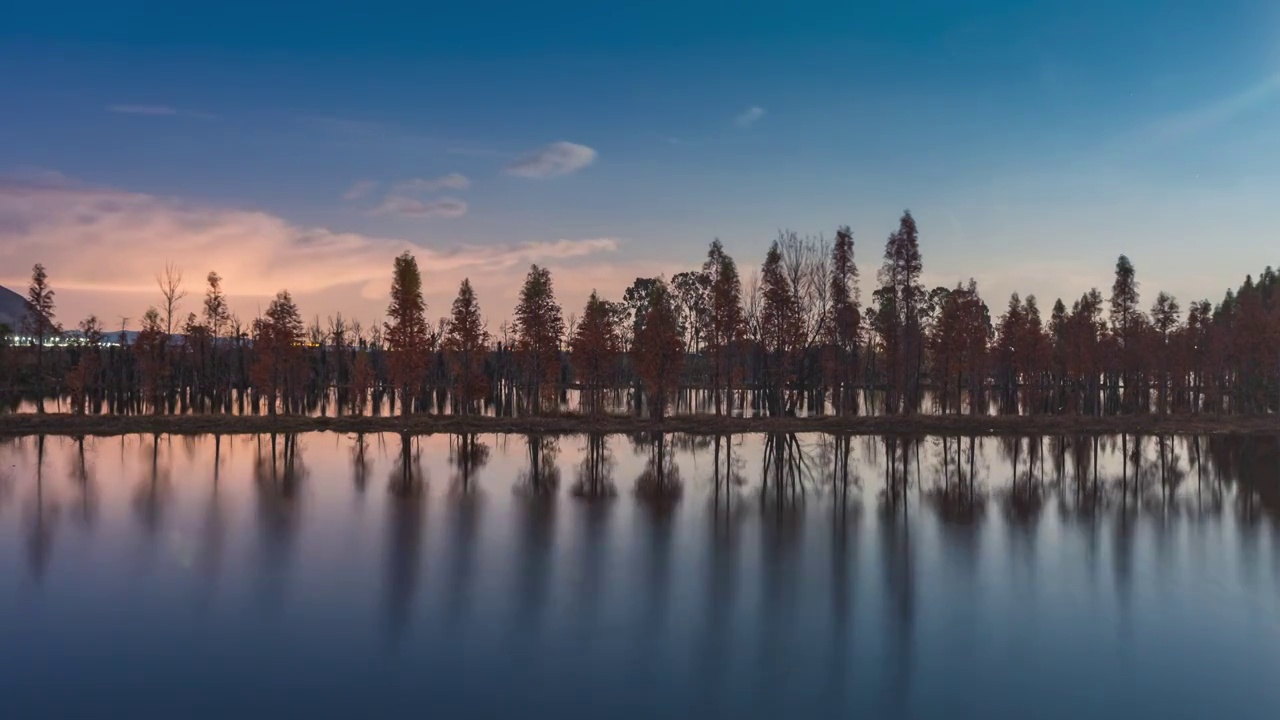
(792, 338)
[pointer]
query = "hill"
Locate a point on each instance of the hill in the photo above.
(12, 307)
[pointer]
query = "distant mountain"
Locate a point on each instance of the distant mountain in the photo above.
(12, 307)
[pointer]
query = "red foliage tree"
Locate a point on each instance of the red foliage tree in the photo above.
(466, 341)
(595, 346)
(539, 329)
(406, 333)
(659, 351)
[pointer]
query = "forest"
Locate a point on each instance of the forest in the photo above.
(793, 339)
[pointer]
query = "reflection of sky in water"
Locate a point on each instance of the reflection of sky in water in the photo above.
(328, 574)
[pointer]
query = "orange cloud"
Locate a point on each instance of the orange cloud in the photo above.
(101, 244)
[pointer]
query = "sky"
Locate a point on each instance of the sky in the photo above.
(304, 145)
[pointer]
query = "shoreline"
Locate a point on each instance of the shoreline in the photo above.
(571, 424)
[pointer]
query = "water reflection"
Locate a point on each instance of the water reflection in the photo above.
(871, 574)
(42, 520)
(278, 477)
(406, 517)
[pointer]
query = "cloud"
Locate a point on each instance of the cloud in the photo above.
(143, 109)
(452, 181)
(748, 117)
(155, 110)
(359, 189)
(1215, 113)
(554, 160)
(409, 207)
(35, 175)
(113, 241)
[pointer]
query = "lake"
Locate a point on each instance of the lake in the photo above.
(328, 575)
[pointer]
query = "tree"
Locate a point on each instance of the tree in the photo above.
(843, 324)
(216, 314)
(539, 329)
(595, 346)
(171, 290)
(1164, 317)
(38, 323)
(780, 330)
(727, 320)
(1126, 318)
(466, 341)
(1124, 300)
(692, 294)
(659, 351)
(407, 330)
(898, 314)
(149, 350)
(82, 380)
(958, 345)
(276, 340)
(637, 298)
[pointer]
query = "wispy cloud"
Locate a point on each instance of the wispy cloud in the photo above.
(1216, 113)
(409, 207)
(554, 160)
(452, 181)
(359, 189)
(155, 111)
(35, 175)
(748, 117)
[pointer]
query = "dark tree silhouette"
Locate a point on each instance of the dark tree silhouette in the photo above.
(898, 314)
(38, 323)
(727, 321)
(844, 322)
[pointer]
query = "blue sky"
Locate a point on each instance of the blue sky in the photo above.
(1033, 141)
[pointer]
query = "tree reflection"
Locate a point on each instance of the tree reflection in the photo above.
(1251, 463)
(785, 467)
(1023, 499)
(361, 466)
(214, 532)
(279, 476)
(726, 473)
(43, 521)
(152, 495)
(542, 476)
(899, 451)
(468, 455)
(898, 563)
(659, 485)
(405, 519)
(83, 478)
(595, 472)
(958, 498)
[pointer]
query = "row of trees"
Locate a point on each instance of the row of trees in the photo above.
(793, 338)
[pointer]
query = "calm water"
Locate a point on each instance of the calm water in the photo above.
(334, 576)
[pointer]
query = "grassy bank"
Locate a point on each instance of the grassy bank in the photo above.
(64, 424)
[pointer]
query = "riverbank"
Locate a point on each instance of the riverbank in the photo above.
(67, 424)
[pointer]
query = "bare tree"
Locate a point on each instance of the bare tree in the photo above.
(171, 289)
